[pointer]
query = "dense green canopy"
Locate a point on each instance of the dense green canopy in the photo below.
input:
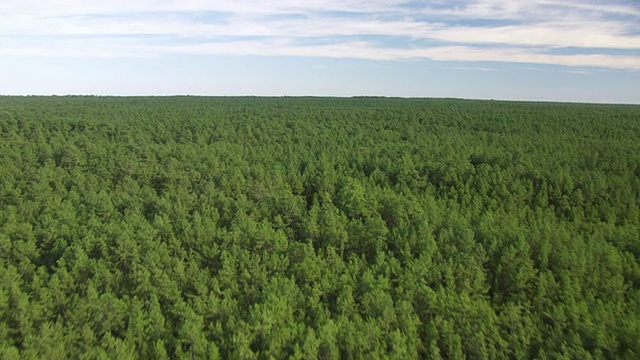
(305, 228)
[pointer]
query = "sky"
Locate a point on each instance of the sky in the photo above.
(555, 50)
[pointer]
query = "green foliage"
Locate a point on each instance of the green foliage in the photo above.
(309, 228)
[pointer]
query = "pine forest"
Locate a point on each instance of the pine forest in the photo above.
(318, 228)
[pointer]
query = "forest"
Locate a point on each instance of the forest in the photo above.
(318, 228)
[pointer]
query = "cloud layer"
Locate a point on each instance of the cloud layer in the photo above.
(578, 33)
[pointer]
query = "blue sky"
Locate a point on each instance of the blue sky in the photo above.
(571, 50)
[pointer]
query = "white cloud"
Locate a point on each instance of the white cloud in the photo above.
(53, 7)
(534, 9)
(533, 28)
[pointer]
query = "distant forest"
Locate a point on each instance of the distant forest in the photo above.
(318, 228)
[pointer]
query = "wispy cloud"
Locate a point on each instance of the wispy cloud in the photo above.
(603, 34)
